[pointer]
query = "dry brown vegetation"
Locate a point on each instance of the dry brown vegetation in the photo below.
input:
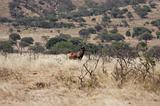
(54, 80)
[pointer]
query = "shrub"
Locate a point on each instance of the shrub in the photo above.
(158, 35)
(37, 48)
(51, 42)
(122, 50)
(63, 47)
(92, 48)
(128, 33)
(117, 37)
(111, 36)
(106, 19)
(142, 11)
(129, 15)
(28, 40)
(84, 33)
(14, 37)
(125, 23)
(78, 19)
(6, 46)
(146, 36)
(52, 17)
(5, 20)
(98, 28)
(77, 41)
(142, 46)
(155, 52)
(137, 31)
(156, 23)
(91, 30)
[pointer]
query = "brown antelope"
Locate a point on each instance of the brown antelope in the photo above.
(77, 55)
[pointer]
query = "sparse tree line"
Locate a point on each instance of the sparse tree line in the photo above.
(132, 63)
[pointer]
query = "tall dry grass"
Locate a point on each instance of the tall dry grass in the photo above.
(53, 80)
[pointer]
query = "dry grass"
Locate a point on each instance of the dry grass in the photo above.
(51, 80)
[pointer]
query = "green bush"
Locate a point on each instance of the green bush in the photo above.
(105, 36)
(158, 35)
(146, 36)
(128, 33)
(84, 33)
(77, 41)
(92, 48)
(155, 52)
(92, 30)
(142, 11)
(37, 48)
(63, 47)
(142, 46)
(129, 15)
(98, 28)
(137, 31)
(51, 42)
(156, 23)
(106, 19)
(122, 50)
(6, 46)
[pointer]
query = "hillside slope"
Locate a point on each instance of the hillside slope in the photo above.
(18, 8)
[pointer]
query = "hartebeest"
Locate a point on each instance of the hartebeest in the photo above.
(77, 55)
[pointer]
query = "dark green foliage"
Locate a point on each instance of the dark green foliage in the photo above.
(117, 13)
(65, 6)
(52, 17)
(106, 19)
(14, 37)
(128, 33)
(134, 2)
(41, 22)
(98, 28)
(125, 23)
(146, 36)
(142, 11)
(5, 20)
(28, 40)
(90, 3)
(63, 47)
(122, 50)
(77, 41)
(84, 33)
(105, 36)
(92, 48)
(155, 52)
(78, 19)
(37, 48)
(15, 10)
(142, 46)
(158, 35)
(147, 8)
(6, 46)
(138, 31)
(91, 30)
(125, 10)
(156, 23)
(51, 42)
(129, 15)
